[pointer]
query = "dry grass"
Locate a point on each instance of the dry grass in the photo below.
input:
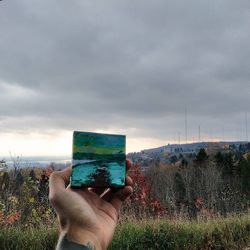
(220, 233)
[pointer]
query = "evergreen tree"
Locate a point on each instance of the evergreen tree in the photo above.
(18, 182)
(181, 156)
(179, 187)
(32, 175)
(173, 159)
(245, 173)
(184, 162)
(43, 187)
(219, 159)
(227, 164)
(5, 181)
(201, 157)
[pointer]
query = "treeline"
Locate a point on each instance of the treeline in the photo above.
(202, 184)
(194, 186)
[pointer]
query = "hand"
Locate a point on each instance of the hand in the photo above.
(87, 216)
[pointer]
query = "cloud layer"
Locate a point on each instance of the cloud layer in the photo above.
(125, 66)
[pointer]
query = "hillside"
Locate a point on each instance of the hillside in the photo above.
(166, 152)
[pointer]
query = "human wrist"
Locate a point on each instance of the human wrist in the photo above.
(83, 237)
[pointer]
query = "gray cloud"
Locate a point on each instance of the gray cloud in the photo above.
(130, 65)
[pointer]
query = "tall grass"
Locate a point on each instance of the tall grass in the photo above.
(230, 233)
(28, 238)
(221, 233)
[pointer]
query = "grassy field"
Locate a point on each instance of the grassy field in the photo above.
(229, 233)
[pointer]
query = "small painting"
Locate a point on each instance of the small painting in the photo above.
(98, 160)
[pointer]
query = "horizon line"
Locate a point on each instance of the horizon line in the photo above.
(69, 157)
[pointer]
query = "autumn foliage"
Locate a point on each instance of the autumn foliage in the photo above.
(24, 198)
(142, 203)
(200, 188)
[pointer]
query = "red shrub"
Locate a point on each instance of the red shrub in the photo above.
(142, 199)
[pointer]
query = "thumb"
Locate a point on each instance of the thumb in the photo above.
(57, 183)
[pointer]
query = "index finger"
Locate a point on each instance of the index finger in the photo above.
(128, 165)
(57, 183)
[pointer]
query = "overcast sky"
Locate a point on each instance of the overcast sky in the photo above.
(128, 67)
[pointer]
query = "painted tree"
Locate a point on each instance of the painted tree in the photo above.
(101, 177)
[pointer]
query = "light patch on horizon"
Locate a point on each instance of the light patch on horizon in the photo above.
(59, 143)
(35, 144)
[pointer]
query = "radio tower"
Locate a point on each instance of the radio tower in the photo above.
(199, 133)
(186, 135)
(246, 128)
(223, 134)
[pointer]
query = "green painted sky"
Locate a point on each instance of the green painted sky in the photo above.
(84, 142)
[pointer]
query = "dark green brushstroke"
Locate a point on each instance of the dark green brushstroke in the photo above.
(103, 157)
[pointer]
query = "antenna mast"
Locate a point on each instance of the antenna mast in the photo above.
(246, 128)
(186, 123)
(199, 133)
(223, 134)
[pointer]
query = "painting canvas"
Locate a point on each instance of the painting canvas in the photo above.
(98, 160)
